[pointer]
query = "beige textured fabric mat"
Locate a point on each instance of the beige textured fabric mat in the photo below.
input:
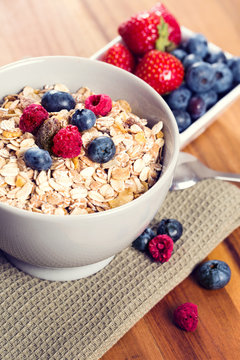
(81, 320)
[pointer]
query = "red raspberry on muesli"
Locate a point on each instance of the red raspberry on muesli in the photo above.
(67, 142)
(32, 117)
(100, 104)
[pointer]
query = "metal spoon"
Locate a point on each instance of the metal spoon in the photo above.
(190, 170)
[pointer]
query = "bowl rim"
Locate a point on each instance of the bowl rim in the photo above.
(169, 170)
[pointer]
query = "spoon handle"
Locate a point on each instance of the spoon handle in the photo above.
(227, 176)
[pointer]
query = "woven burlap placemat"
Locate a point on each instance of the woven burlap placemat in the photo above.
(82, 319)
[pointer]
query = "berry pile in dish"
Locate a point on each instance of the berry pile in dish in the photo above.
(191, 75)
(74, 153)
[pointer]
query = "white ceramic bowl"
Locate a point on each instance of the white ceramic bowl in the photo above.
(69, 247)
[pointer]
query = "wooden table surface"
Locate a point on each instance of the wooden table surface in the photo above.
(81, 27)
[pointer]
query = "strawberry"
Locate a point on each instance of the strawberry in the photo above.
(152, 29)
(168, 29)
(163, 71)
(140, 32)
(120, 56)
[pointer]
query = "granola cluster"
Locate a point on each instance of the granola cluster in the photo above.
(77, 185)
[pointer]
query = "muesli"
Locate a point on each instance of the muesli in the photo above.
(68, 153)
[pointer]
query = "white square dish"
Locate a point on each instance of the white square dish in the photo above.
(200, 125)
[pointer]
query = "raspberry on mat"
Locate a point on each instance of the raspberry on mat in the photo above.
(161, 248)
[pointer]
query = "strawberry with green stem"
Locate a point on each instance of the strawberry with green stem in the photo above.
(152, 29)
(168, 29)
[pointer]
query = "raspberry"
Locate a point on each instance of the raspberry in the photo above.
(32, 117)
(100, 104)
(186, 316)
(67, 142)
(160, 248)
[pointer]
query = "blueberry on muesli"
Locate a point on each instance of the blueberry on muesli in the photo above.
(38, 159)
(54, 101)
(101, 149)
(84, 119)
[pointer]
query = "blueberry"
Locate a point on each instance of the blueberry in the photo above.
(179, 54)
(178, 99)
(235, 67)
(213, 274)
(196, 107)
(142, 241)
(101, 149)
(210, 97)
(190, 60)
(84, 119)
(183, 45)
(198, 45)
(171, 227)
(200, 77)
(223, 76)
(183, 119)
(230, 61)
(38, 159)
(215, 56)
(54, 101)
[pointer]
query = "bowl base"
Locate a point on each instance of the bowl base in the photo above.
(59, 274)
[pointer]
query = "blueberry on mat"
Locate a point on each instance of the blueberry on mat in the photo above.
(170, 227)
(213, 274)
(142, 241)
